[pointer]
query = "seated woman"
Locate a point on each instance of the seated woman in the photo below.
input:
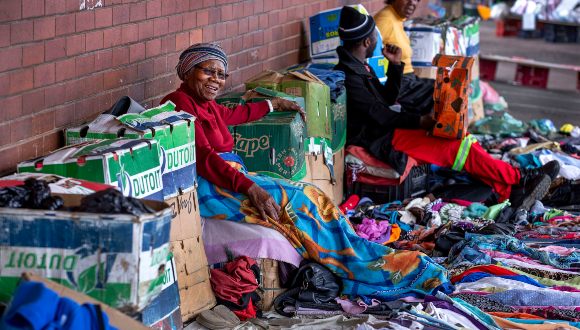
(300, 211)
(416, 94)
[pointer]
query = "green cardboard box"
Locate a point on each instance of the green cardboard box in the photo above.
(119, 259)
(232, 100)
(130, 164)
(338, 122)
(316, 96)
(175, 132)
(273, 145)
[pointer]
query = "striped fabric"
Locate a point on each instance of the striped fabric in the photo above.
(197, 54)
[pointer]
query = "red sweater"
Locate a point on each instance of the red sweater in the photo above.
(212, 136)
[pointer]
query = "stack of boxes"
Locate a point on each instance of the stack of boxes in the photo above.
(148, 155)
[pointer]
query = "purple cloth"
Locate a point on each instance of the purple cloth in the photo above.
(447, 305)
(375, 231)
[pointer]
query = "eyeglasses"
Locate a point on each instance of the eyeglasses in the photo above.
(213, 73)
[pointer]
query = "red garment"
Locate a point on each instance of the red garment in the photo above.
(490, 269)
(442, 152)
(234, 280)
(212, 136)
(248, 313)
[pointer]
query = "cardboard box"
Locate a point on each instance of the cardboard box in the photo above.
(429, 72)
(338, 121)
(339, 166)
(118, 259)
(258, 94)
(267, 79)
(186, 221)
(57, 183)
(196, 299)
(273, 145)
(426, 42)
(270, 285)
(163, 312)
(131, 165)
(319, 174)
(116, 318)
(175, 132)
(316, 96)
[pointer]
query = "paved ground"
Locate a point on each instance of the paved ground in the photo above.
(530, 103)
(536, 49)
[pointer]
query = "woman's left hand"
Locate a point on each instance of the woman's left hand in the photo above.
(281, 104)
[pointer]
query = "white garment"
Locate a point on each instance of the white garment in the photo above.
(498, 284)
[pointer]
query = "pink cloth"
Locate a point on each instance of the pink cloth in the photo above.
(559, 250)
(374, 231)
(497, 254)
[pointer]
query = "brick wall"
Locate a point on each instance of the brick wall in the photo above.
(63, 62)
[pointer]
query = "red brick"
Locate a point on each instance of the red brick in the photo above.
(232, 29)
(160, 66)
(12, 108)
(10, 157)
(243, 26)
(65, 24)
(112, 37)
(263, 21)
(43, 122)
(189, 20)
(103, 60)
(32, 8)
(137, 52)
(65, 69)
(120, 56)
(44, 75)
(32, 54)
(54, 7)
(74, 90)
(4, 137)
(248, 9)
(32, 102)
(94, 41)
(145, 70)
(11, 58)
(44, 28)
(168, 8)
(221, 31)
(146, 29)
(153, 8)
(182, 41)
(137, 91)
(175, 24)
(75, 44)
(55, 95)
(20, 129)
(103, 17)
(22, 31)
(11, 10)
(55, 48)
(84, 65)
(64, 115)
(51, 142)
(72, 5)
(153, 48)
(160, 26)
(4, 35)
(167, 44)
(4, 84)
(253, 23)
(195, 4)
(138, 12)
(214, 15)
(94, 84)
(202, 17)
(227, 45)
(258, 6)
(227, 12)
(121, 14)
(85, 20)
(208, 33)
(31, 149)
(208, 3)
(195, 36)
(130, 33)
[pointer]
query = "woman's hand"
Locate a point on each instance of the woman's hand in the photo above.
(281, 104)
(264, 203)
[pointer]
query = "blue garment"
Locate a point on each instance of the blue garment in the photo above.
(528, 161)
(509, 244)
(531, 321)
(520, 297)
(472, 277)
(560, 156)
(333, 78)
(467, 256)
(35, 307)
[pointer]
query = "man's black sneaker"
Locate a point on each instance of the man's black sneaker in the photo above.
(524, 197)
(551, 168)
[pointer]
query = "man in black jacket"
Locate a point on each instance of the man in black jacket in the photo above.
(376, 122)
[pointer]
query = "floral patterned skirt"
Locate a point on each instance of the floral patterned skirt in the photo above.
(320, 232)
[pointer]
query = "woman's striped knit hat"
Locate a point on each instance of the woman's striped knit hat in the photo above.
(199, 53)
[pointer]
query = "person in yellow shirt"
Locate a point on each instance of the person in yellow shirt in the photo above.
(416, 94)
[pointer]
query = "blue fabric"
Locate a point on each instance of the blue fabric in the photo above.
(528, 161)
(467, 256)
(519, 297)
(528, 321)
(472, 277)
(35, 307)
(511, 244)
(319, 231)
(333, 78)
(564, 158)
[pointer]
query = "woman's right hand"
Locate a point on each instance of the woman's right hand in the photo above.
(264, 203)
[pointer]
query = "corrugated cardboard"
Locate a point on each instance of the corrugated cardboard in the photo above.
(338, 188)
(273, 145)
(267, 79)
(429, 72)
(338, 122)
(196, 299)
(174, 131)
(131, 165)
(116, 318)
(119, 259)
(319, 175)
(190, 261)
(186, 221)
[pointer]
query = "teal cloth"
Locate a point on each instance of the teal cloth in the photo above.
(475, 210)
(320, 232)
(501, 124)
